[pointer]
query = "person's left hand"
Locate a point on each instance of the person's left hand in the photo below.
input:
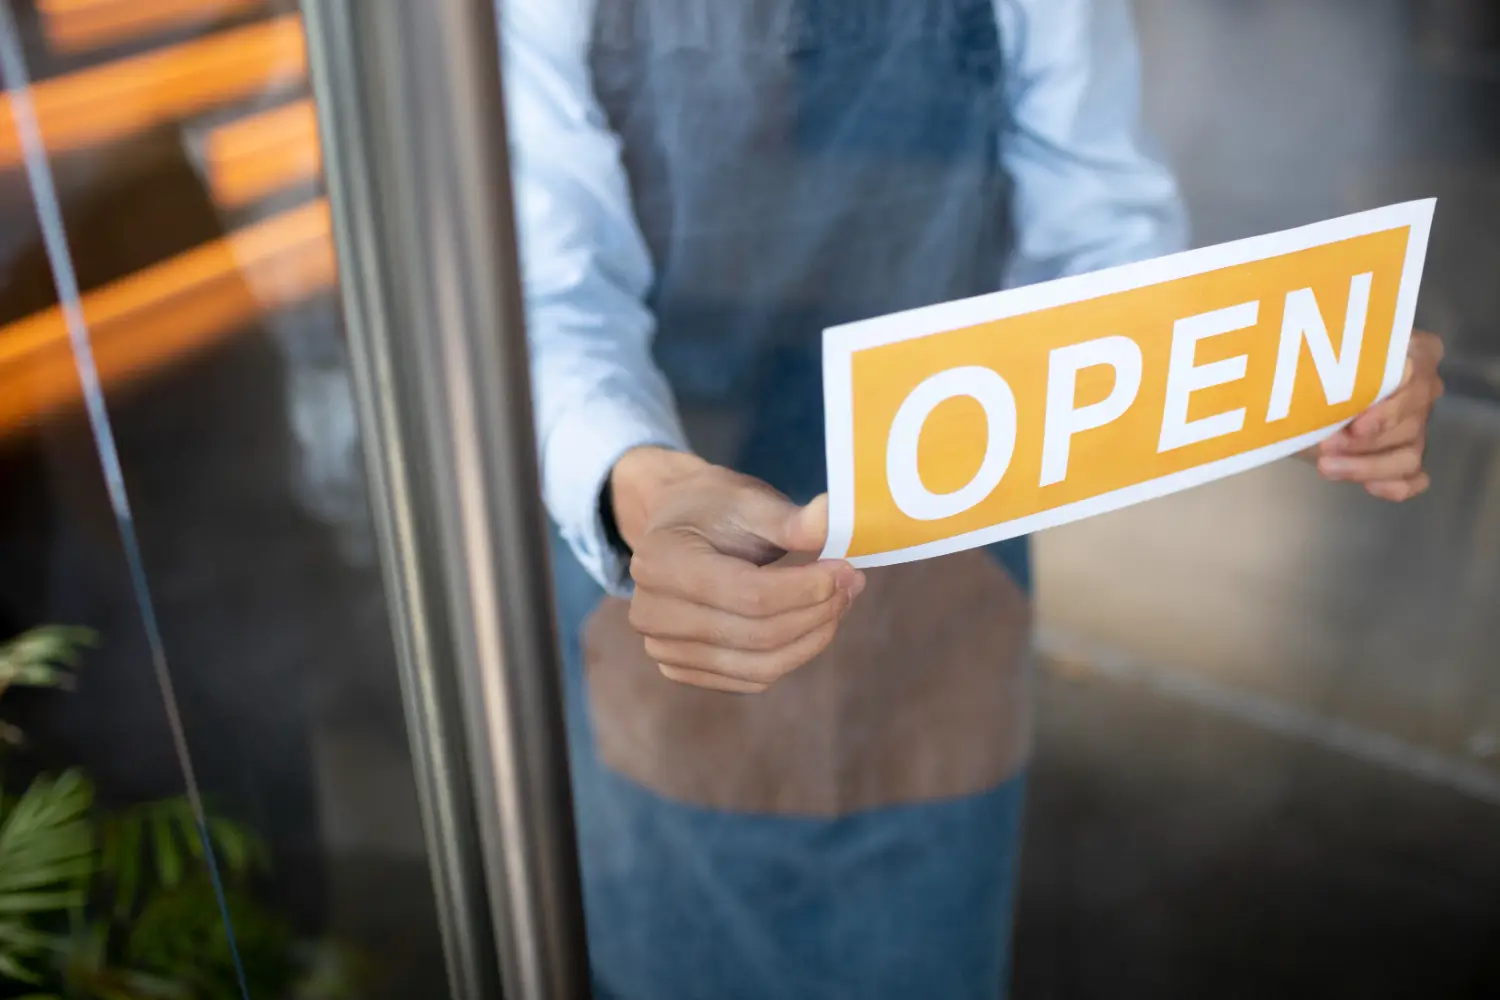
(1382, 449)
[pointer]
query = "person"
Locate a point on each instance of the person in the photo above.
(786, 787)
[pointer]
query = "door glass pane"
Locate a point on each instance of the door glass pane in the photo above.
(233, 647)
(1267, 751)
(1257, 738)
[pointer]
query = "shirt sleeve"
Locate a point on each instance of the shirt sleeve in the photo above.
(1090, 190)
(585, 271)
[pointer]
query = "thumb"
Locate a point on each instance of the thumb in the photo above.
(776, 521)
(809, 532)
(800, 529)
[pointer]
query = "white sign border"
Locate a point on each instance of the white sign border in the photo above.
(841, 342)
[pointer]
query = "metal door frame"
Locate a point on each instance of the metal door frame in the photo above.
(412, 124)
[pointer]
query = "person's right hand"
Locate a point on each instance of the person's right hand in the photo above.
(717, 603)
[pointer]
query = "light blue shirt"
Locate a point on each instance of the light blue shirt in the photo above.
(1088, 193)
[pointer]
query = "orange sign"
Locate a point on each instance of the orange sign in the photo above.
(970, 422)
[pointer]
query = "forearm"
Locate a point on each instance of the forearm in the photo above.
(585, 270)
(1090, 192)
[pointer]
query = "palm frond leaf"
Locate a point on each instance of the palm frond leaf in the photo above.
(47, 851)
(44, 656)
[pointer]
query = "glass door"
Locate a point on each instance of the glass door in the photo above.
(271, 728)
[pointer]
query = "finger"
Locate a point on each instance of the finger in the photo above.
(711, 682)
(808, 530)
(1427, 347)
(782, 523)
(1400, 490)
(1412, 400)
(673, 618)
(743, 665)
(1409, 430)
(1373, 422)
(1402, 463)
(1420, 387)
(690, 569)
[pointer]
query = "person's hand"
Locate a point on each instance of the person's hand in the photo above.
(1382, 449)
(717, 603)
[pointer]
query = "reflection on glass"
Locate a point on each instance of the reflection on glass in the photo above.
(1250, 690)
(182, 145)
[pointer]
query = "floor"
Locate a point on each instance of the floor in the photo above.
(1172, 852)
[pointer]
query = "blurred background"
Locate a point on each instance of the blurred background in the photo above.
(1269, 750)
(1270, 733)
(184, 146)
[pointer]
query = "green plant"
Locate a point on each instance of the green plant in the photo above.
(42, 658)
(47, 860)
(126, 905)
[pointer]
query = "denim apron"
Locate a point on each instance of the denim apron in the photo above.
(796, 164)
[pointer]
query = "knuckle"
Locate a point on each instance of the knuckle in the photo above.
(770, 638)
(734, 636)
(761, 638)
(678, 676)
(643, 569)
(712, 590)
(749, 685)
(766, 674)
(717, 660)
(753, 601)
(794, 657)
(714, 634)
(775, 668)
(1401, 491)
(1407, 431)
(825, 636)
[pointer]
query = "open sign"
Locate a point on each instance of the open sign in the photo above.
(971, 422)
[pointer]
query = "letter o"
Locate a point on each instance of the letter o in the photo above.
(992, 392)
